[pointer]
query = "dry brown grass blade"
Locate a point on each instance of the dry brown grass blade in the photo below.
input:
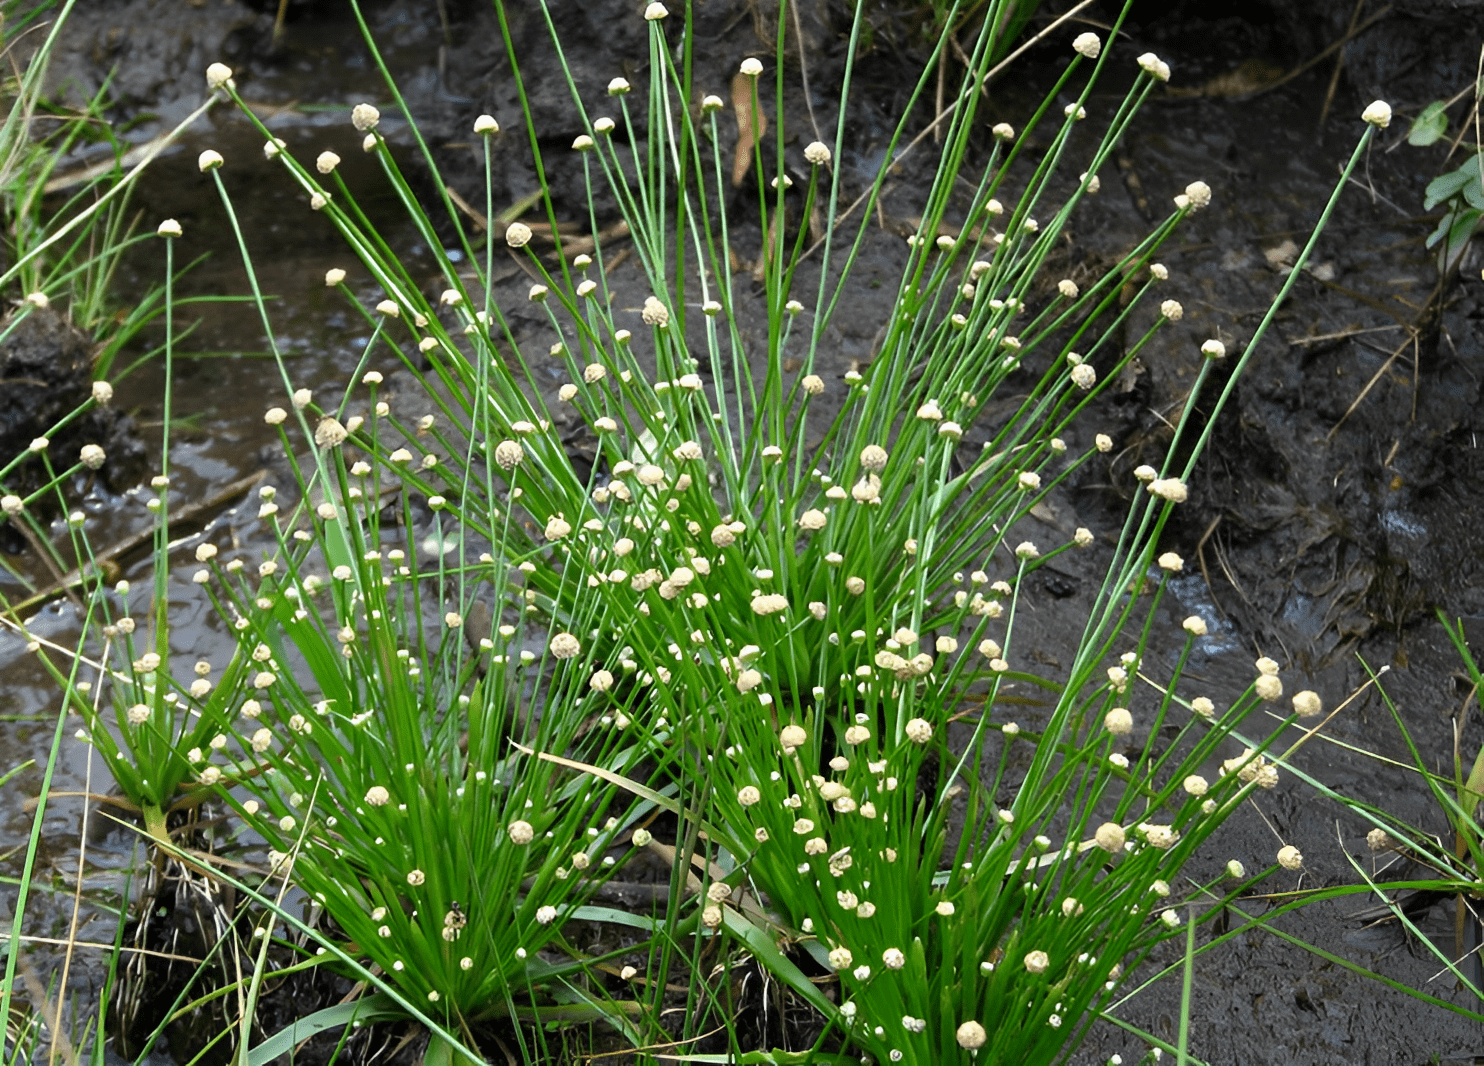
(752, 124)
(1369, 385)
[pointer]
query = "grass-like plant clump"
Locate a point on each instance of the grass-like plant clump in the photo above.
(771, 616)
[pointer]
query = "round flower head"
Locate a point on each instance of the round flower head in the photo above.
(1199, 194)
(210, 159)
(364, 117)
(1378, 114)
(169, 228)
(655, 11)
(1213, 349)
(517, 234)
(1268, 687)
(1037, 961)
(1380, 840)
(1195, 625)
(485, 125)
(710, 103)
(1004, 131)
(565, 646)
(330, 433)
(1119, 721)
(377, 796)
(791, 737)
(521, 832)
(1290, 858)
(1110, 837)
(326, 162)
(618, 86)
(1169, 488)
(509, 454)
(219, 75)
(654, 313)
(1088, 44)
(751, 67)
(1307, 704)
(971, 1035)
(1171, 562)
(1172, 310)
(817, 153)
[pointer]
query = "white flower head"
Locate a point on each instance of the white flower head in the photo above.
(1199, 194)
(210, 159)
(1089, 45)
(168, 228)
(1290, 858)
(971, 1034)
(655, 11)
(751, 67)
(1307, 704)
(485, 125)
(517, 234)
(817, 153)
(364, 117)
(1378, 114)
(1119, 721)
(1110, 837)
(219, 75)
(326, 162)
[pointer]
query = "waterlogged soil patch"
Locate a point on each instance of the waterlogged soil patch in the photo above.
(1336, 507)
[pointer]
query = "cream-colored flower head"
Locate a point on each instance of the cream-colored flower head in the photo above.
(1378, 114)
(364, 117)
(326, 162)
(971, 1035)
(169, 228)
(1307, 704)
(219, 75)
(1088, 44)
(210, 159)
(655, 11)
(1290, 858)
(517, 234)
(751, 67)
(1199, 194)
(485, 125)
(1110, 837)
(817, 153)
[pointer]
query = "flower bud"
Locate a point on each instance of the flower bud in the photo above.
(210, 159)
(168, 228)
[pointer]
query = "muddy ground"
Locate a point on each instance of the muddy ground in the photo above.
(1338, 506)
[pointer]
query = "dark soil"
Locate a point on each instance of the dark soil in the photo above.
(1337, 507)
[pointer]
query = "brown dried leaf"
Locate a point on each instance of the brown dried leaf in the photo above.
(752, 124)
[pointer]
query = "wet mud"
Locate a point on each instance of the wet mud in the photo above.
(1338, 506)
